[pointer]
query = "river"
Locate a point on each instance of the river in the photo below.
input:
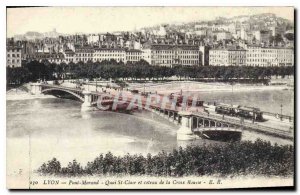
(47, 128)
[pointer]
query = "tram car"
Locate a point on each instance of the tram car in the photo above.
(250, 113)
(240, 111)
(226, 109)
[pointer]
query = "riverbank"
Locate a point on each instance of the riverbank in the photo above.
(192, 86)
(22, 94)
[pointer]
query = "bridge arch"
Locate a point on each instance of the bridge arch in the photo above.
(64, 90)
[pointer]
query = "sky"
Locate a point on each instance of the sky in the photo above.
(70, 20)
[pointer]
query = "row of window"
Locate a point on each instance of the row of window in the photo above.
(252, 56)
(84, 55)
(194, 62)
(237, 56)
(110, 51)
(133, 58)
(180, 56)
(269, 55)
(133, 53)
(253, 64)
(269, 60)
(109, 55)
(271, 50)
(230, 61)
(13, 61)
(14, 50)
(173, 51)
(13, 55)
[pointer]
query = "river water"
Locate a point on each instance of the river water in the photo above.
(47, 128)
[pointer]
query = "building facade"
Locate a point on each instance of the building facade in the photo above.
(222, 35)
(84, 54)
(270, 56)
(116, 54)
(69, 56)
(133, 55)
(227, 57)
(13, 56)
(50, 57)
(168, 55)
(263, 35)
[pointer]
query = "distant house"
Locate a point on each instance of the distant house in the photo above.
(13, 56)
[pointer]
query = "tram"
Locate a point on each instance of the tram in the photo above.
(240, 111)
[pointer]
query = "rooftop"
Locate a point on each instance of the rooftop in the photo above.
(133, 50)
(172, 47)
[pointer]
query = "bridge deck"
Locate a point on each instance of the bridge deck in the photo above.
(168, 107)
(247, 125)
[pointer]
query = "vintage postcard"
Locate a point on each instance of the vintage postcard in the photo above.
(150, 97)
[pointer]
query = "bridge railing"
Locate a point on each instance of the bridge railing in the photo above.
(216, 129)
(291, 118)
(246, 124)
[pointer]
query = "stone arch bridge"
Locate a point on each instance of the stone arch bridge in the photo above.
(192, 124)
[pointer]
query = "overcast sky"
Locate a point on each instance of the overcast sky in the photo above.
(106, 19)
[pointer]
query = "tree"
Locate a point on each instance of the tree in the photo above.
(215, 38)
(52, 167)
(278, 38)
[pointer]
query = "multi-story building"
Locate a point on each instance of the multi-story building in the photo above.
(83, 54)
(69, 56)
(133, 55)
(146, 54)
(187, 55)
(92, 39)
(28, 48)
(227, 57)
(263, 35)
(218, 57)
(237, 57)
(221, 35)
(222, 27)
(168, 55)
(269, 56)
(200, 26)
(117, 54)
(50, 57)
(13, 56)
(201, 32)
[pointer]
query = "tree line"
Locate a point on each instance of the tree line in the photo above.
(34, 70)
(235, 158)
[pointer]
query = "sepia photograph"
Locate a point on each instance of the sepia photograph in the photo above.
(150, 97)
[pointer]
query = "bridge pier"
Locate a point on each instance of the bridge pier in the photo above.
(35, 88)
(87, 104)
(185, 131)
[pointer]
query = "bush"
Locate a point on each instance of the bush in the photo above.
(236, 158)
